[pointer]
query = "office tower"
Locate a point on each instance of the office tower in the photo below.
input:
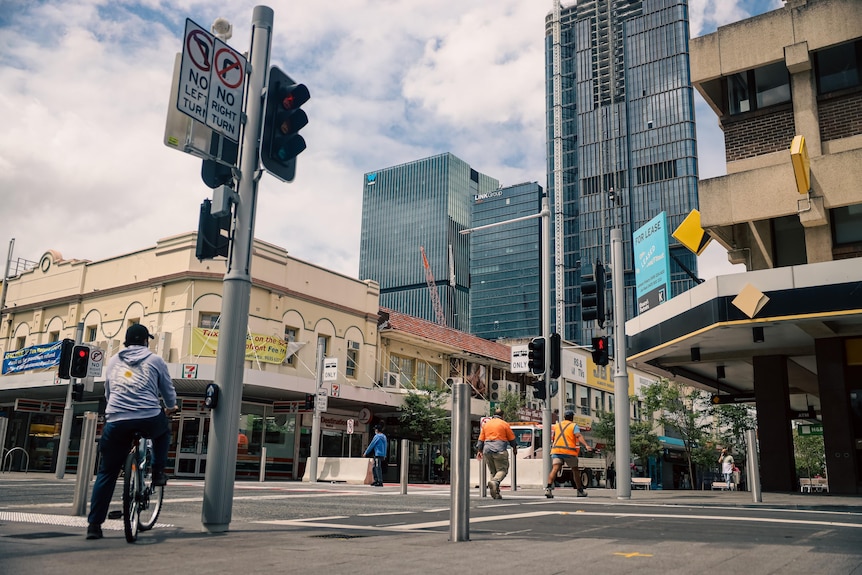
(626, 118)
(414, 206)
(505, 264)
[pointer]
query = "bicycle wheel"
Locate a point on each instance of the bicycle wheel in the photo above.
(151, 496)
(131, 490)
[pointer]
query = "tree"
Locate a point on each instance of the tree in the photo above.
(682, 409)
(423, 415)
(511, 404)
(810, 454)
(644, 443)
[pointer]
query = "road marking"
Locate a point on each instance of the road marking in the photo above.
(64, 520)
(385, 513)
(635, 554)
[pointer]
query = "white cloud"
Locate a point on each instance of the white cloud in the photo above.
(84, 171)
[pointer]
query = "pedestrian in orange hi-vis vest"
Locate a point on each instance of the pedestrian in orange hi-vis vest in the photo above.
(494, 439)
(565, 439)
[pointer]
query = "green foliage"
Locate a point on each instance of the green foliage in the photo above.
(810, 454)
(731, 423)
(511, 404)
(682, 409)
(644, 443)
(605, 430)
(423, 415)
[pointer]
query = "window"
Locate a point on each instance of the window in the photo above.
(759, 88)
(352, 358)
(405, 367)
(838, 67)
(208, 320)
(53, 336)
(847, 225)
(290, 336)
(92, 332)
(19, 342)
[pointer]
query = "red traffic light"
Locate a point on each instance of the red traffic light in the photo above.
(83, 352)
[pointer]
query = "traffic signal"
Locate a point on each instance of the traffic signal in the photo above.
(211, 242)
(283, 119)
(80, 361)
(536, 355)
(593, 296)
(215, 173)
(600, 350)
(77, 392)
(309, 401)
(65, 358)
(540, 389)
(554, 355)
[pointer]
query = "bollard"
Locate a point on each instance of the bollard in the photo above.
(514, 470)
(86, 459)
(483, 478)
(405, 464)
(459, 523)
(753, 466)
(262, 464)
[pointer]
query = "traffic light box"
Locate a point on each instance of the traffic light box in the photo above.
(540, 389)
(283, 119)
(600, 350)
(66, 349)
(80, 362)
(536, 355)
(554, 359)
(593, 296)
(77, 392)
(211, 241)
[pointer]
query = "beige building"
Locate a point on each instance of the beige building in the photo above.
(787, 333)
(294, 306)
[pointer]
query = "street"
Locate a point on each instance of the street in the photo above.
(341, 528)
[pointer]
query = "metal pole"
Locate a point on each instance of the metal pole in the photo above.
(86, 459)
(262, 477)
(459, 529)
(753, 466)
(405, 464)
(68, 418)
(514, 471)
(230, 359)
(621, 378)
(546, 332)
(6, 276)
(315, 422)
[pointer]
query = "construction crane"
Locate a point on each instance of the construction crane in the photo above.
(432, 289)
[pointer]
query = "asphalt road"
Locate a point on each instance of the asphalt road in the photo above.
(296, 527)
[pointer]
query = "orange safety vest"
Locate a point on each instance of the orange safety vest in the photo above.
(564, 440)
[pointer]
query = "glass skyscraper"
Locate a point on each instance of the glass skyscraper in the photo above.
(421, 204)
(505, 264)
(626, 117)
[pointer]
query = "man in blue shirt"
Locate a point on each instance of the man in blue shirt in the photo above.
(377, 450)
(134, 380)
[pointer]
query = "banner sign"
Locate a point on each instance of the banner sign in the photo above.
(258, 347)
(34, 357)
(652, 263)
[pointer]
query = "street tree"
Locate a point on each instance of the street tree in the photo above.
(810, 454)
(424, 416)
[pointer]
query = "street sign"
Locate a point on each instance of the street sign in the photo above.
(810, 429)
(322, 402)
(211, 81)
(97, 360)
(349, 427)
(520, 360)
(336, 390)
(732, 398)
(330, 368)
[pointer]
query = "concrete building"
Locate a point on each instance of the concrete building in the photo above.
(788, 332)
(294, 305)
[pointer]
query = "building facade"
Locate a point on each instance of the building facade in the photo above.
(786, 334)
(622, 99)
(421, 205)
(294, 307)
(505, 264)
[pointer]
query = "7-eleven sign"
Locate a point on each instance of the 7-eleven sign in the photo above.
(190, 371)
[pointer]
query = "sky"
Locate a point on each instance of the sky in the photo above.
(85, 89)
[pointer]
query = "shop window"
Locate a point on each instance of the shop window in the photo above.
(290, 336)
(837, 68)
(352, 359)
(208, 320)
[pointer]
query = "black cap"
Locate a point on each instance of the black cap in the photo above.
(137, 334)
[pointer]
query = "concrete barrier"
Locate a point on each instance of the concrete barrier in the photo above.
(529, 473)
(353, 470)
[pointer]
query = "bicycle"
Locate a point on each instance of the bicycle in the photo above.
(142, 501)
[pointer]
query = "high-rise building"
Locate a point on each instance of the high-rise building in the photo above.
(421, 205)
(621, 96)
(505, 264)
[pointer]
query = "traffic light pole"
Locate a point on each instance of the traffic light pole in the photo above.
(621, 378)
(230, 359)
(68, 417)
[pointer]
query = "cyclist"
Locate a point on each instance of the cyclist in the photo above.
(134, 379)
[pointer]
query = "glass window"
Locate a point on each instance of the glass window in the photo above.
(53, 336)
(92, 332)
(352, 358)
(208, 320)
(838, 67)
(19, 342)
(847, 225)
(290, 336)
(773, 85)
(789, 241)
(737, 93)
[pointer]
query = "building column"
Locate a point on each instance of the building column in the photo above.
(841, 413)
(772, 397)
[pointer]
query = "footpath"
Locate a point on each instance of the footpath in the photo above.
(32, 543)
